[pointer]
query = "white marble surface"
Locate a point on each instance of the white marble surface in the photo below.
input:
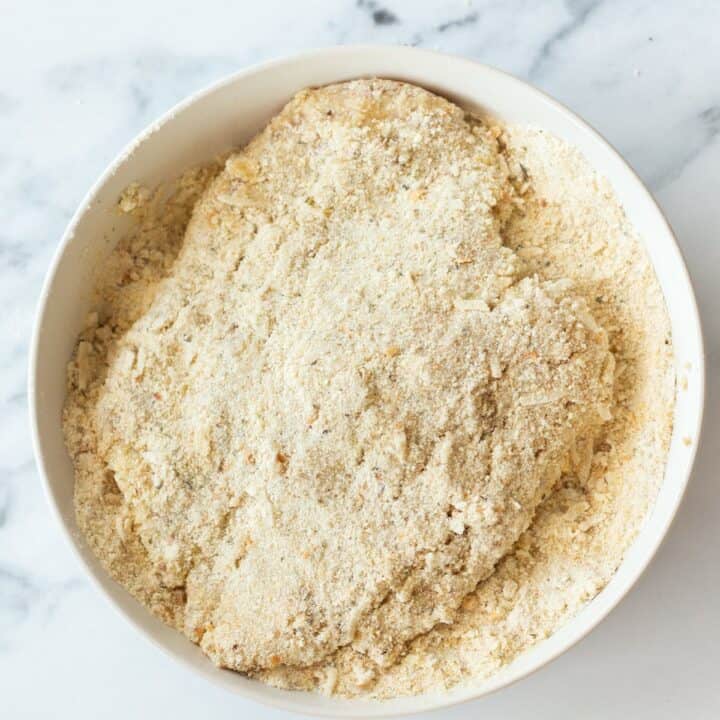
(79, 78)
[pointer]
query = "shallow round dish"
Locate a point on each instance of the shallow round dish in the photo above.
(228, 114)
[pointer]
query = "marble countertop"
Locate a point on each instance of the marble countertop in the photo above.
(79, 79)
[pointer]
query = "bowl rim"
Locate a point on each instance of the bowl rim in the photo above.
(362, 707)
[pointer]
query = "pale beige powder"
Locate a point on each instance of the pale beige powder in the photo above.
(309, 444)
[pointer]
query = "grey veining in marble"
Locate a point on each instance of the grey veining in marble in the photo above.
(79, 79)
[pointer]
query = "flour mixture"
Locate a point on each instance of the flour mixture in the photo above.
(376, 403)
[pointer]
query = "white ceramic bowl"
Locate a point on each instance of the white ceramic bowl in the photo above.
(228, 114)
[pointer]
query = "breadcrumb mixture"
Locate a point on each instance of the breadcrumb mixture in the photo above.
(376, 403)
